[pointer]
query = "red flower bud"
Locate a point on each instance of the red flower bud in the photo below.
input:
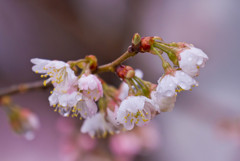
(93, 61)
(146, 44)
(125, 71)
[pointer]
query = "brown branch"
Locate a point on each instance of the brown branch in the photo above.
(110, 67)
(21, 88)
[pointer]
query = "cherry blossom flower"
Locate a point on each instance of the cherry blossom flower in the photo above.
(191, 59)
(64, 99)
(163, 103)
(58, 71)
(135, 110)
(97, 126)
(173, 82)
(91, 86)
(65, 96)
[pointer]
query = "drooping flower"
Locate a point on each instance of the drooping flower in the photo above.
(58, 71)
(191, 59)
(97, 126)
(175, 81)
(135, 110)
(90, 86)
(163, 103)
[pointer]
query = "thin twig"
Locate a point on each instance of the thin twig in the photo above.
(21, 88)
(110, 67)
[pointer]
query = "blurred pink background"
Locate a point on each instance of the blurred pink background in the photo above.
(70, 29)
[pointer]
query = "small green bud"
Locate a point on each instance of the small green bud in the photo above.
(136, 39)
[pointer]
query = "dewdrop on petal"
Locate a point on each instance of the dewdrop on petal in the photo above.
(163, 103)
(135, 110)
(191, 59)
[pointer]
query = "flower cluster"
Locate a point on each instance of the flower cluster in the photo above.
(106, 109)
(71, 94)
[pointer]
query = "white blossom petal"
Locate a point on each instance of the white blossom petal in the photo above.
(86, 108)
(123, 91)
(163, 103)
(139, 73)
(191, 59)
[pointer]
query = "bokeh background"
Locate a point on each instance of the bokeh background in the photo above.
(203, 124)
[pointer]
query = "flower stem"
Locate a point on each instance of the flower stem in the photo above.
(110, 67)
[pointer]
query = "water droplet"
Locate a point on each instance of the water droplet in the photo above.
(183, 85)
(200, 62)
(64, 112)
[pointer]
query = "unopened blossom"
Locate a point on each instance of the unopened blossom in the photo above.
(135, 110)
(24, 122)
(162, 102)
(191, 59)
(58, 71)
(97, 126)
(91, 86)
(175, 81)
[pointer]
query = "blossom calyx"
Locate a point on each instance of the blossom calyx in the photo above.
(146, 44)
(125, 72)
(93, 61)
